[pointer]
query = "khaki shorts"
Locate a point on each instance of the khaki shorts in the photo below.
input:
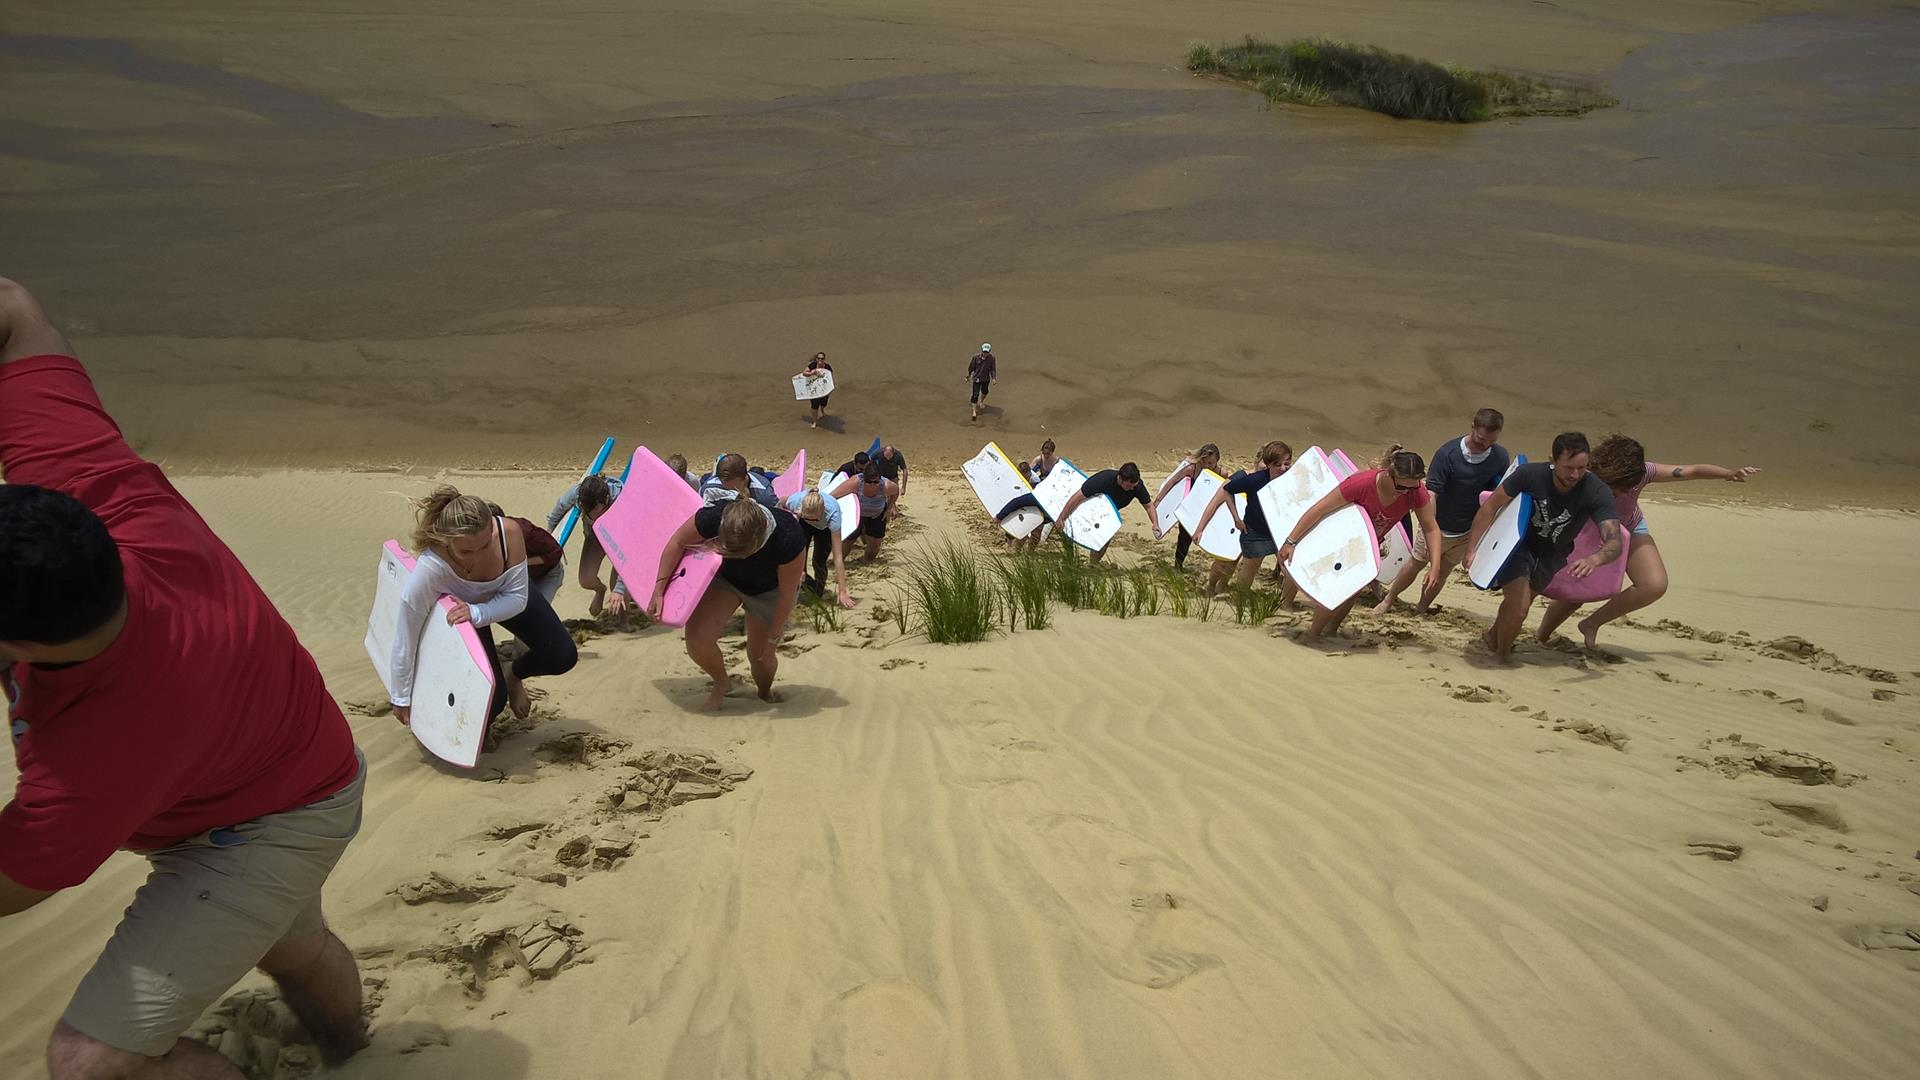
(209, 910)
(1453, 548)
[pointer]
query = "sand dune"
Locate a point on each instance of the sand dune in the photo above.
(1148, 847)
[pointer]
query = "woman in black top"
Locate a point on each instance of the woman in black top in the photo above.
(818, 405)
(764, 557)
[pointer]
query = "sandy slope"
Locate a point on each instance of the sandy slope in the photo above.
(1150, 847)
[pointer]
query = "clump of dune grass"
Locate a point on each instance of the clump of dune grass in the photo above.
(823, 612)
(951, 593)
(1321, 71)
(1180, 594)
(1025, 583)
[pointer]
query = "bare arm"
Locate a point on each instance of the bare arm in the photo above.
(684, 539)
(1185, 470)
(1664, 474)
(25, 329)
(1430, 527)
(1497, 500)
(15, 897)
(791, 572)
(840, 570)
(1073, 503)
(845, 487)
(1612, 541)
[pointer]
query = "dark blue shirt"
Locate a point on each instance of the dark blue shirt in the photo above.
(1254, 518)
(1456, 484)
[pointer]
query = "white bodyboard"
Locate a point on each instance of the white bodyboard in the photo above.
(849, 504)
(1166, 508)
(996, 481)
(1097, 520)
(1396, 551)
(1293, 493)
(1503, 536)
(452, 681)
(1220, 540)
(807, 386)
(1338, 558)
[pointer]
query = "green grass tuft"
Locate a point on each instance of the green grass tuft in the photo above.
(1321, 71)
(1026, 583)
(951, 590)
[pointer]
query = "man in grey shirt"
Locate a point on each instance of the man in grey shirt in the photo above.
(1459, 471)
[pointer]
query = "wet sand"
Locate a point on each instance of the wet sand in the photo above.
(480, 271)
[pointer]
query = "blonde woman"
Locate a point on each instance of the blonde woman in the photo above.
(821, 518)
(1190, 468)
(1387, 494)
(480, 560)
(764, 553)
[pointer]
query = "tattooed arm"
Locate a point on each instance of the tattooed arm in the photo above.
(1612, 541)
(1664, 474)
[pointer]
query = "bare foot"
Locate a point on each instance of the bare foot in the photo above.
(1591, 631)
(517, 697)
(599, 601)
(1492, 643)
(772, 695)
(716, 698)
(1382, 607)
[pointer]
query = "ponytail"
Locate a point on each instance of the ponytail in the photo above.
(446, 515)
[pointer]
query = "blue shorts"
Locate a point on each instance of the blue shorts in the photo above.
(1257, 547)
(1640, 528)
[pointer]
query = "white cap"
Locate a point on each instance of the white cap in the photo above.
(984, 347)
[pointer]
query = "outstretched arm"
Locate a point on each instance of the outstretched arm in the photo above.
(1073, 503)
(15, 897)
(1663, 474)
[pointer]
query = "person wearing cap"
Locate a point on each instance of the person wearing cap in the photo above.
(817, 406)
(982, 370)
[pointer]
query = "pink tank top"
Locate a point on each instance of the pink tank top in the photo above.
(1628, 502)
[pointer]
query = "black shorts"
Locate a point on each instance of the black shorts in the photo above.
(820, 402)
(980, 391)
(1525, 563)
(875, 527)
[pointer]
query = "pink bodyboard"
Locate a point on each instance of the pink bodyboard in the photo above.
(468, 635)
(652, 506)
(1343, 465)
(794, 480)
(1603, 583)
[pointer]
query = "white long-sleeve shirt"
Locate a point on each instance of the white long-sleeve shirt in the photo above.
(488, 602)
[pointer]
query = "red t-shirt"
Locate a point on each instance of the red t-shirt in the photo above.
(1362, 490)
(205, 711)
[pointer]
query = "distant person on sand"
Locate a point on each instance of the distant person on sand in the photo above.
(480, 560)
(1461, 470)
(1043, 462)
(821, 516)
(1256, 539)
(764, 554)
(878, 496)
(592, 496)
(893, 466)
(159, 704)
(982, 371)
(818, 406)
(1123, 485)
(1387, 493)
(1565, 497)
(1622, 465)
(1190, 468)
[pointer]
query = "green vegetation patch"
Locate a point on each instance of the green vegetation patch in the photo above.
(1327, 71)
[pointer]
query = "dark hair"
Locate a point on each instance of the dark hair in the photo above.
(860, 458)
(1489, 419)
(1130, 473)
(1619, 461)
(593, 493)
(871, 474)
(60, 574)
(1403, 463)
(1270, 454)
(1570, 443)
(1047, 447)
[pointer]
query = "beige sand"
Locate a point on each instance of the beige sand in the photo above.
(375, 243)
(1140, 848)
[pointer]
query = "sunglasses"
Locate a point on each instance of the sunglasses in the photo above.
(1399, 487)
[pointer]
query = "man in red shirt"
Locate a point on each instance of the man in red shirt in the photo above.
(158, 703)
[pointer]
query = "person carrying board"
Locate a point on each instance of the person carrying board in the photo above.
(982, 372)
(821, 516)
(1256, 539)
(1387, 493)
(878, 497)
(1123, 485)
(1565, 497)
(817, 407)
(1461, 470)
(1189, 469)
(1043, 462)
(763, 556)
(1621, 463)
(158, 703)
(592, 496)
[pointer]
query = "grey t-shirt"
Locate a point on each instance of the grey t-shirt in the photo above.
(1558, 516)
(1456, 483)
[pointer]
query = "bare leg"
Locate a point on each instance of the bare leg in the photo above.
(1217, 574)
(1400, 582)
(873, 547)
(591, 556)
(1556, 613)
(25, 329)
(74, 1056)
(1648, 572)
(1326, 622)
(1094, 557)
(319, 982)
(1429, 592)
(703, 640)
(1515, 598)
(1246, 571)
(1288, 594)
(763, 657)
